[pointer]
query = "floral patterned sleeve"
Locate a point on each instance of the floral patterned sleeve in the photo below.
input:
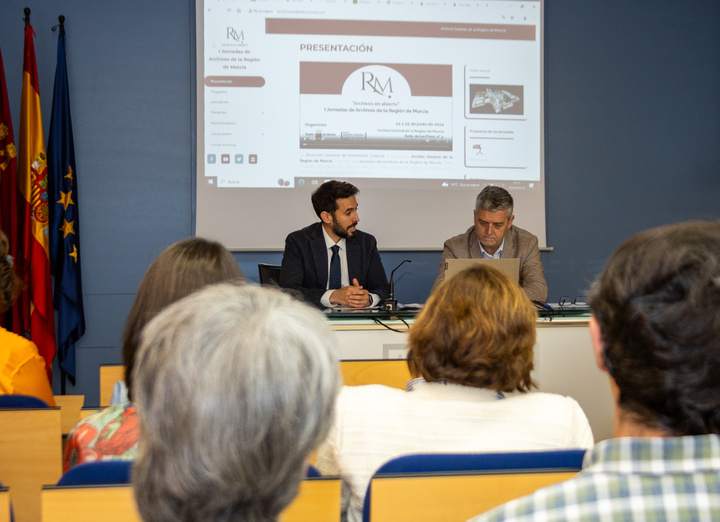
(111, 434)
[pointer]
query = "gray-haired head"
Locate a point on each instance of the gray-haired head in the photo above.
(493, 198)
(657, 305)
(235, 386)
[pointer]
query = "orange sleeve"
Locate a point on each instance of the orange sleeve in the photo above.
(31, 379)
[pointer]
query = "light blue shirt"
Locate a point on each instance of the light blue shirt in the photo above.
(497, 254)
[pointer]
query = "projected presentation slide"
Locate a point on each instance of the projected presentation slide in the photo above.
(375, 107)
(416, 90)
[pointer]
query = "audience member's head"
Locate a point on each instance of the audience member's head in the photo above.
(656, 327)
(235, 386)
(10, 284)
(477, 329)
(177, 271)
(324, 199)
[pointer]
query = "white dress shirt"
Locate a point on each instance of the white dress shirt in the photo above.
(344, 276)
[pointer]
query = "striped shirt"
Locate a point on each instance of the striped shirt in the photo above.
(648, 479)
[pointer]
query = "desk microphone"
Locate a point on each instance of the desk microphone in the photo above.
(390, 303)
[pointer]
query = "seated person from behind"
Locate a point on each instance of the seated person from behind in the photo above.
(179, 270)
(494, 236)
(471, 351)
(331, 262)
(22, 369)
(235, 386)
(655, 329)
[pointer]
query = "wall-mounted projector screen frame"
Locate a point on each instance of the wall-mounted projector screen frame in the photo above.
(419, 103)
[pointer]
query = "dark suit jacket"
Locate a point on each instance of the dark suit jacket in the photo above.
(305, 263)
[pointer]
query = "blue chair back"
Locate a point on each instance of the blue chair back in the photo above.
(98, 472)
(313, 472)
(22, 401)
(555, 460)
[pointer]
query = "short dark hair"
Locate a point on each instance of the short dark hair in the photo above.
(324, 199)
(493, 198)
(657, 303)
(176, 272)
(477, 329)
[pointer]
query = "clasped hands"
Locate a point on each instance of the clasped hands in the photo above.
(355, 296)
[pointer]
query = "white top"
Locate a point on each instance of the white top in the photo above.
(376, 423)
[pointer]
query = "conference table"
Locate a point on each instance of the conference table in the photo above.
(564, 359)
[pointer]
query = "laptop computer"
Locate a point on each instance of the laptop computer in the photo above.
(509, 267)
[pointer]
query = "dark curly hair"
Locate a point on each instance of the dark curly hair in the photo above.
(324, 199)
(10, 284)
(477, 329)
(657, 303)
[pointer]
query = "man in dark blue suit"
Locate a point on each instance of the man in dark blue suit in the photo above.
(332, 263)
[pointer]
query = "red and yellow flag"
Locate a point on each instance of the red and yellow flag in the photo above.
(32, 182)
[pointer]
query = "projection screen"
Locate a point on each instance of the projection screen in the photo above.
(419, 103)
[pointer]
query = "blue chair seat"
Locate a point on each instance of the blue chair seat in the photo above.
(22, 401)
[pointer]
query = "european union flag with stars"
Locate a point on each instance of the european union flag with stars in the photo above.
(65, 222)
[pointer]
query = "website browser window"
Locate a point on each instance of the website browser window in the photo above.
(391, 95)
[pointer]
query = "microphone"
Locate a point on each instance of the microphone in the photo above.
(390, 303)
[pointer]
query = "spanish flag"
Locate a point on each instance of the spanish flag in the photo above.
(32, 182)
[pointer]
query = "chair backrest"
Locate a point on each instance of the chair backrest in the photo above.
(98, 472)
(30, 456)
(109, 503)
(318, 500)
(22, 401)
(70, 410)
(4, 504)
(390, 372)
(269, 274)
(458, 486)
(109, 375)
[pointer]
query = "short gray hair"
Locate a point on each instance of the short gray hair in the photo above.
(235, 386)
(493, 198)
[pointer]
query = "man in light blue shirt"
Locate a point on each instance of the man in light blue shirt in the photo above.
(493, 235)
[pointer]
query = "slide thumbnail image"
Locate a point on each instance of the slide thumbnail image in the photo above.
(496, 99)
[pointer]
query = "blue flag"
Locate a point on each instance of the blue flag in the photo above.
(64, 220)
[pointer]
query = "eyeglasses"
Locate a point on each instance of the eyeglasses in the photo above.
(566, 300)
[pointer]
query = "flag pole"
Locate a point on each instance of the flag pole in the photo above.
(63, 372)
(27, 16)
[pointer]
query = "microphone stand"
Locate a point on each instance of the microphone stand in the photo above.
(390, 304)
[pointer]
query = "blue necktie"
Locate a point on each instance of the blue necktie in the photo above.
(335, 278)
